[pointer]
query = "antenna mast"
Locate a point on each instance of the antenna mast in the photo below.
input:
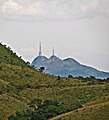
(53, 51)
(40, 49)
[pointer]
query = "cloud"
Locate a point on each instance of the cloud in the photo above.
(12, 7)
(90, 10)
(56, 9)
(90, 7)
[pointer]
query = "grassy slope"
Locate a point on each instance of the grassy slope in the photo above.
(19, 84)
(89, 113)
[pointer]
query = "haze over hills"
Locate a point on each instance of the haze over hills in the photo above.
(69, 66)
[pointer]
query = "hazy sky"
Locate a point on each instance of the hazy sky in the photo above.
(76, 28)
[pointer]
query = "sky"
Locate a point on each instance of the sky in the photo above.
(75, 28)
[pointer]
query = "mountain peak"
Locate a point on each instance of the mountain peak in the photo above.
(71, 60)
(54, 58)
(41, 58)
(39, 61)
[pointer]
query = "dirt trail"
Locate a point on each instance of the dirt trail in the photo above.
(68, 113)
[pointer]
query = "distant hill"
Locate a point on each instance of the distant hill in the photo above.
(56, 66)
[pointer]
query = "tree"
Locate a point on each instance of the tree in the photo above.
(92, 77)
(42, 69)
(28, 63)
(58, 77)
(70, 76)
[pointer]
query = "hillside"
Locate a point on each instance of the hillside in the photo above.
(10, 57)
(69, 66)
(93, 112)
(27, 92)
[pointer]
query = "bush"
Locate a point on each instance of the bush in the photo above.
(1, 92)
(46, 110)
(107, 86)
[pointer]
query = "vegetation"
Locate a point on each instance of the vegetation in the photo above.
(42, 110)
(41, 69)
(24, 91)
(92, 113)
(9, 57)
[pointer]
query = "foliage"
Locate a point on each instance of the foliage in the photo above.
(46, 110)
(42, 69)
(9, 57)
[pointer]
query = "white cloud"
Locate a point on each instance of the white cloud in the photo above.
(90, 7)
(56, 8)
(90, 10)
(12, 7)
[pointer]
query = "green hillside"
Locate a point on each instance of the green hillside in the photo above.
(22, 88)
(91, 113)
(10, 57)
